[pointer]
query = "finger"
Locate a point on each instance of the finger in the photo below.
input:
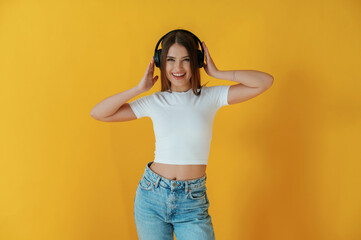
(155, 79)
(147, 70)
(150, 73)
(151, 66)
(207, 52)
(205, 47)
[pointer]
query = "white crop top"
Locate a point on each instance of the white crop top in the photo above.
(182, 122)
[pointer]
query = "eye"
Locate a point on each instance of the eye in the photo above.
(170, 59)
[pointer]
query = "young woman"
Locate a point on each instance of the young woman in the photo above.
(171, 195)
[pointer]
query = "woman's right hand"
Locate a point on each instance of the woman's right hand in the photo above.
(148, 81)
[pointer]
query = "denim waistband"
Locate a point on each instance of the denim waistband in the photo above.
(173, 184)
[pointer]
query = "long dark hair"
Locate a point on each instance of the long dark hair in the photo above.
(186, 40)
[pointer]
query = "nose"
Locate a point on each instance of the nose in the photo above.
(178, 66)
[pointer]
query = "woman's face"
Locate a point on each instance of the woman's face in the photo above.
(178, 62)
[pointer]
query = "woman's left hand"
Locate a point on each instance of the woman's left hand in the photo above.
(209, 67)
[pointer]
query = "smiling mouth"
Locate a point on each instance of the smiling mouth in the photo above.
(178, 77)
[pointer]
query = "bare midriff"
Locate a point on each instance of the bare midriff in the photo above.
(178, 172)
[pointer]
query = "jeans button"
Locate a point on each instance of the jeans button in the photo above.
(175, 184)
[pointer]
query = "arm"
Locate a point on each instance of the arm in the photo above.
(110, 105)
(250, 84)
(111, 110)
(249, 78)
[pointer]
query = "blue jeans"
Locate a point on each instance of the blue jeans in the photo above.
(163, 206)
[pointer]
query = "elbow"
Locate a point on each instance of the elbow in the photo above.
(93, 115)
(269, 81)
(266, 81)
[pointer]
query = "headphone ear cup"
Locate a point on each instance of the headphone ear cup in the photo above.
(157, 57)
(200, 58)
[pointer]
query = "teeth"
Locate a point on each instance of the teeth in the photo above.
(178, 75)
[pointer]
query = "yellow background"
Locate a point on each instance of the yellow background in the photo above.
(283, 166)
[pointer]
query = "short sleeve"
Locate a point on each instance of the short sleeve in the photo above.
(219, 95)
(141, 106)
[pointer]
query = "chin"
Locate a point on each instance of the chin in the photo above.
(180, 83)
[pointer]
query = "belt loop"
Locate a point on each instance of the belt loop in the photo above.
(156, 182)
(186, 187)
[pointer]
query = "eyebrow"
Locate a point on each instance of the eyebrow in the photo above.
(174, 57)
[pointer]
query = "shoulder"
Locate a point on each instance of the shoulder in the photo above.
(218, 94)
(158, 93)
(216, 91)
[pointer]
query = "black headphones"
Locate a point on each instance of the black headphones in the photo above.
(157, 53)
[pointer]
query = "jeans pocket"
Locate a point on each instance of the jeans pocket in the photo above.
(145, 183)
(198, 193)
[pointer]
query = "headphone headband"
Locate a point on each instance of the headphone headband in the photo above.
(157, 53)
